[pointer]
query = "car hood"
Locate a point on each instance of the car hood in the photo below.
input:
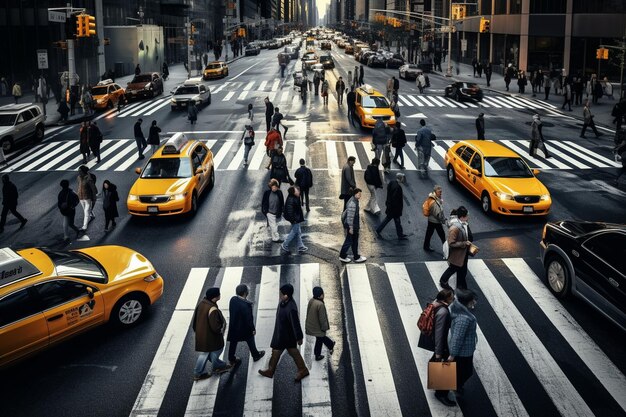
(119, 262)
(155, 186)
(137, 86)
(519, 186)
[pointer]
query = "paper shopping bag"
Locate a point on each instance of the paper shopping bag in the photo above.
(442, 375)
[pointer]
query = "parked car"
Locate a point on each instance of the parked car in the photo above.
(588, 260)
(365, 56)
(19, 122)
(263, 44)
(253, 49)
(144, 85)
(459, 90)
(327, 61)
(395, 61)
(377, 60)
(409, 71)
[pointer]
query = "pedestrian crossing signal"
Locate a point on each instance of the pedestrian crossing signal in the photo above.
(602, 53)
(484, 25)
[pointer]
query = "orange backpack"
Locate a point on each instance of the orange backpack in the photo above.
(426, 206)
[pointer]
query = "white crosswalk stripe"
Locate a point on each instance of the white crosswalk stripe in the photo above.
(407, 288)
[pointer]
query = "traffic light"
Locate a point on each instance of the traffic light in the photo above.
(80, 26)
(602, 53)
(458, 11)
(241, 32)
(90, 25)
(484, 25)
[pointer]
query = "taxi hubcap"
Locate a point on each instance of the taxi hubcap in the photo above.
(556, 276)
(486, 203)
(130, 311)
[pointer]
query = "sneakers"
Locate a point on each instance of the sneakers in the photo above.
(303, 249)
(201, 376)
(257, 358)
(223, 369)
(284, 249)
(360, 259)
(445, 400)
(345, 260)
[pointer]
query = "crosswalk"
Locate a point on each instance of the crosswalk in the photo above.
(120, 155)
(532, 358)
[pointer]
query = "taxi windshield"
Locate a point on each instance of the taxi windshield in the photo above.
(98, 91)
(506, 167)
(77, 265)
(167, 168)
(214, 66)
(186, 90)
(375, 102)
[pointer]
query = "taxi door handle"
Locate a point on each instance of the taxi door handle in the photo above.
(53, 318)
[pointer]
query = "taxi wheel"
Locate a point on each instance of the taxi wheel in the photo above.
(129, 310)
(558, 276)
(212, 180)
(485, 203)
(194, 204)
(451, 174)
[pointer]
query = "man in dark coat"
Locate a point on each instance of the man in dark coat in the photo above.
(287, 335)
(351, 99)
(67, 202)
(398, 141)
(293, 214)
(269, 112)
(304, 180)
(396, 85)
(140, 139)
(241, 328)
(394, 205)
(95, 139)
(209, 325)
(278, 166)
(488, 72)
(9, 202)
(480, 126)
(360, 75)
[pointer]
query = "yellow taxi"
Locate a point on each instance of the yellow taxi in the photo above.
(215, 69)
(499, 177)
(106, 94)
(173, 179)
(372, 105)
(349, 50)
(48, 296)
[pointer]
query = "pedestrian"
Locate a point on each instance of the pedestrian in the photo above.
(269, 112)
(4, 87)
(598, 91)
(109, 204)
(546, 85)
(287, 335)
(389, 88)
(437, 341)
(394, 205)
(316, 82)
(385, 158)
(474, 65)
(459, 241)
(421, 82)
(479, 69)
(86, 194)
(241, 327)
(304, 181)
(63, 110)
(373, 181)
(140, 139)
(350, 219)
(153, 137)
(536, 140)
(588, 121)
(351, 100)
(317, 323)
(398, 141)
(84, 132)
(86, 101)
(95, 139)
(67, 201)
(423, 146)
(137, 70)
(166, 71)
(209, 325)
(340, 88)
(350, 81)
(9, 202)
(248, 142)
(396, 85)
(521, 82)
(348, 181)
(325, 90)
(278, 167)
(272, 141)
(356, 76)
(73, 98)
(283, 66)
(567, 96)
(361, 75)
(395, 108)
(507, 79)
(379, 137)
(277, 120)
(121, 102)
(293, 214)
(42, 91)
(463, 337)
(272, 208)
(192, 112)
(250, 112)
(480, 126)
(17, 91)
(578, 90)
(433, 210)
(488, 72)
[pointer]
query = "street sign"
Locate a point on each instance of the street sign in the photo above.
(54, 16)
(463, 45)
(42, 59)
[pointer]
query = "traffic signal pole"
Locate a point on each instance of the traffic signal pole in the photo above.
(100, 34)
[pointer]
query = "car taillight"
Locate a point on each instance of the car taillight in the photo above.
(151, 278)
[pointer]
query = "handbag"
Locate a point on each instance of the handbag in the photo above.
(441, 375)
(473, 250)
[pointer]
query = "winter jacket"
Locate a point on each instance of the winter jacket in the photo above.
(396, 84)
(279, 167)
(437, 341)
(398, 139)
(265, 203)
(390, 84)
(95, 137)
(350, 99)
(480, 125)
(153, 135)
(17, 90)
(67, 201)
(587, 115)
(423, 139)
(456, 240)
(84, 139)
(273, 139)
(109, 200)
(209, 325)
(276, 118)
(352, 215)
(241, 325)
(269, 109)
(379, 134)
(316, 318)
(463, 337)
(340, 87)
(287, 330)
(293, 210)
(9, 195)
(395, 199)
(436, 214)
(192, 113)
(304, 178)
(546, 82)
(536, 133)
(372, 176)
(137, 130)
(86, 187)
(347, 179)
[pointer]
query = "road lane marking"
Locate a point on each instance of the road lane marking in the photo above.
(244, 71)
(126, 152)
(437, 101)
(160, 103)
(228, 96)
(275, 85)
(139, 108)
(458, 103)
(49, 155)
(351, 151)
(260, 153)
(235, 163)
(152, 392)
(164, 103)
(520, 151)
(594, 155)
(299, 152)
(243, 95)
(262, 85)
(221, 87)
(553, 161)
(41, 150)
(249, 86)
(124, 109)
(491, 102)
(331, 155)
(221, 154)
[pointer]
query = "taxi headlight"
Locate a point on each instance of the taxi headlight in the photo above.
(101, 100)
(178, 197)
(392, 118)
(173, 100)
(545, 197)
(151, 277)
(133, 197)
(503, 196)
(148, 86)
(369, 117)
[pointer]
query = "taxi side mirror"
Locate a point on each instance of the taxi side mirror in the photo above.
(137, 171)
(476, 172)
(90, 292)
(536, 172)
(199, 171)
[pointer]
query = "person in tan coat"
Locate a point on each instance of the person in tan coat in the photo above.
(459, 239)
(317, 323)
(209, 325)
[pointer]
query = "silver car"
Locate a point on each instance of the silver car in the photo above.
(409, 71)
(19, 122)
(191, 90)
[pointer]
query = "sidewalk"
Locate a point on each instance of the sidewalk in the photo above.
(601, 111)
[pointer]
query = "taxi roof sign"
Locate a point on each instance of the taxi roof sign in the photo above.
(105, 82)
(14, 268)
(368, 89)
(175, 144)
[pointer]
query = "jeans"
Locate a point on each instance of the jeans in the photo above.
(378, 150)
(325, 340)
(351, 114)
(232, 349)
(204, 357)
(5, 211)
(273, 225)
(339, 98)
(304, 197)
(399, 153)
(351, 241)
(294, 233)
(423, 159)
(246, 152)
(372, 204)
(68, 223)
(461, 273)
(429, 233)
(397, 222)
(141, 145)
(87, 207)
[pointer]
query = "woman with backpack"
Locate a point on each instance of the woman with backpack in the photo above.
(248, 143)
(435, 324)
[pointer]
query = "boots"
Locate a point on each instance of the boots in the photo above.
(303, 372)
(269, 372)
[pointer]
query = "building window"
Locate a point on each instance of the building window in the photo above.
(552, 6)
(599, 6)
(515, 7)
(500, 7)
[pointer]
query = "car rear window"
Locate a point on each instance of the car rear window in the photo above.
(187, 90)
(214, 66)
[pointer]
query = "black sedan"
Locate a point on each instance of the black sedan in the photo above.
(365, 56)
(252, 49)
(462, 91)
(588, 260)
(377, 60)
(396, 61)
(327, 61)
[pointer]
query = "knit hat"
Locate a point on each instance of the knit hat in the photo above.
(287, 290)
(212, 292)
(318, 292)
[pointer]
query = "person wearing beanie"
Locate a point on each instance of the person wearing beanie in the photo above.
(287, 335)
(317, 323)
(209, 325)
(241, 328)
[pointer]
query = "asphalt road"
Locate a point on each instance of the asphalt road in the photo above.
(537, 356)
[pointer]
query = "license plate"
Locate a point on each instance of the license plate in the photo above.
(153, 209)
(528, 209)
